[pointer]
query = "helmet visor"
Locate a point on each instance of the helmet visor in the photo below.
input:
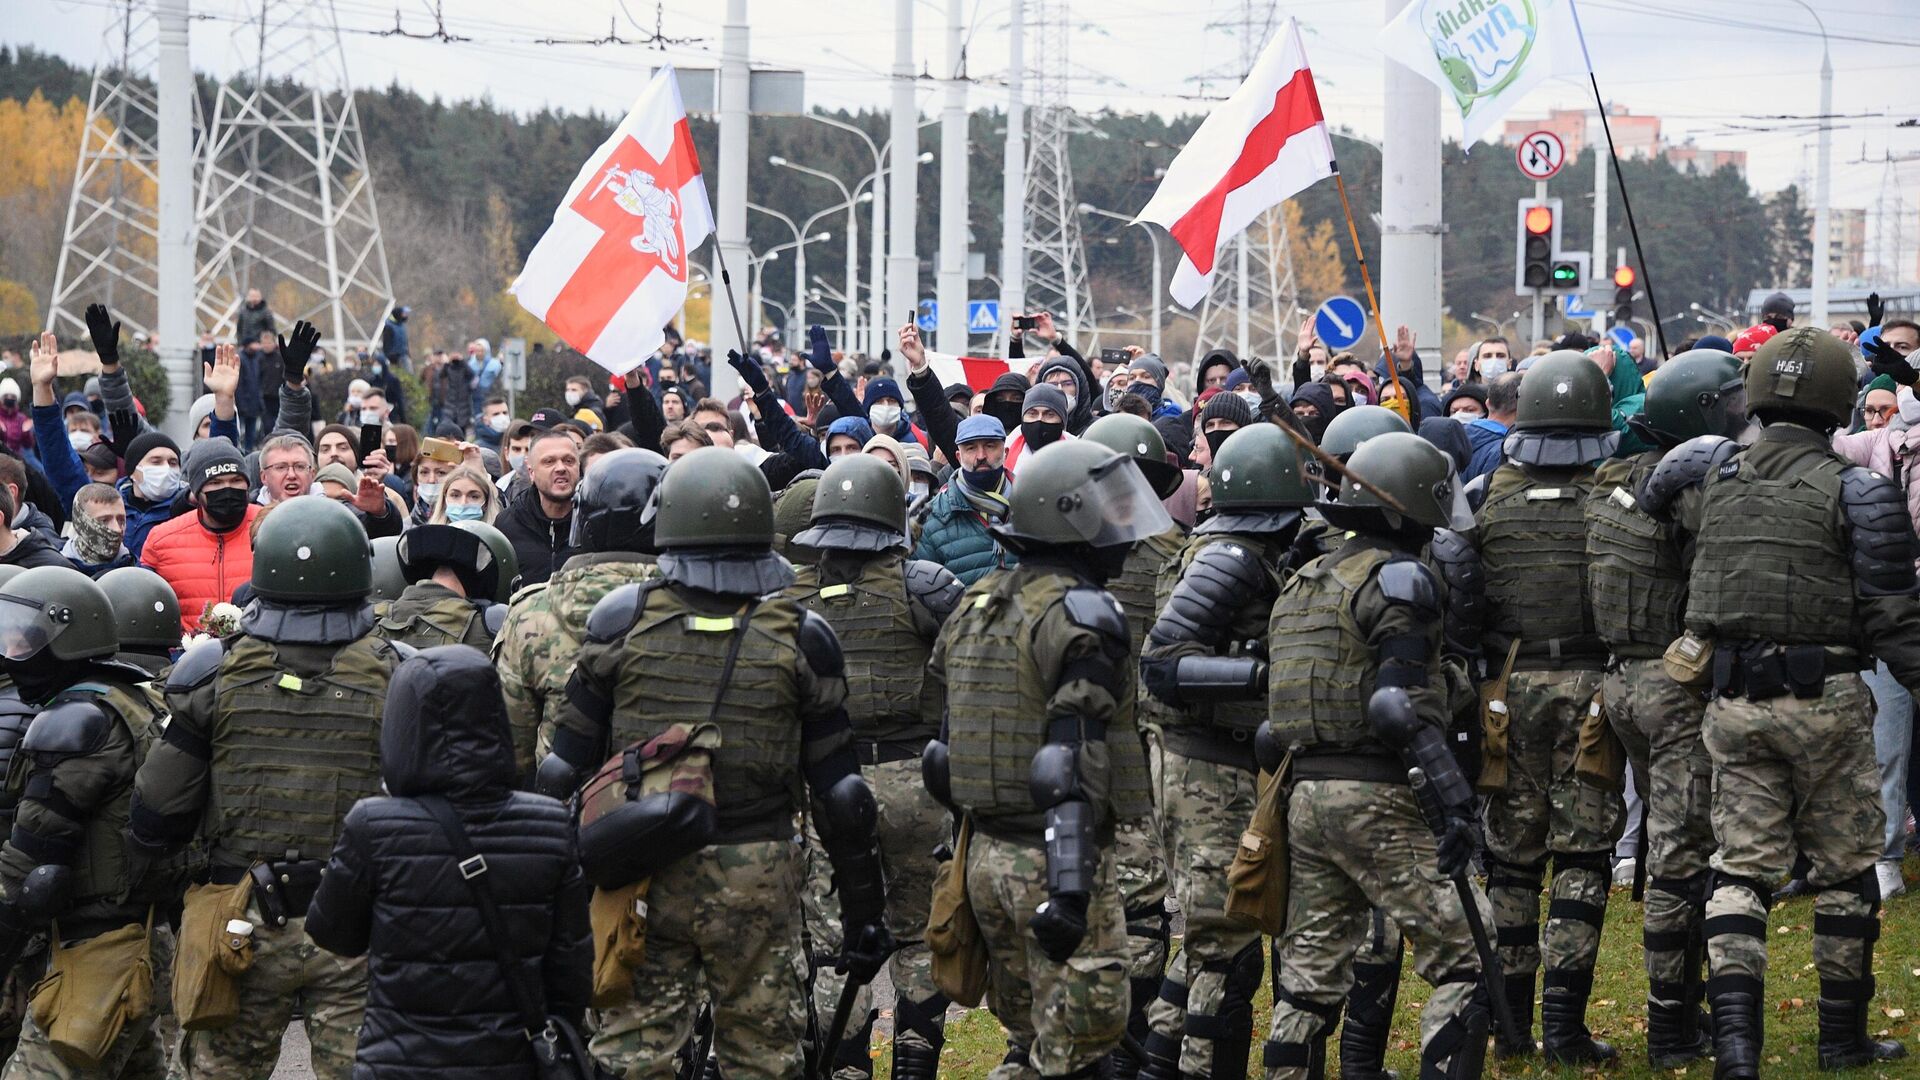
(26, 628)
(1452, 497)
(1115, 506)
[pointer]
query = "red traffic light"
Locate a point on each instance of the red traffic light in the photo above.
(1539, 220)
(1623, 277)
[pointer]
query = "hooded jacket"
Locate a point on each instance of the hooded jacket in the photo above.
(437, 1001)
(1414, 379)
(1081, 412)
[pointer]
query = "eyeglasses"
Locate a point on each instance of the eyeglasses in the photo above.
(287, 467)
(1880, 410)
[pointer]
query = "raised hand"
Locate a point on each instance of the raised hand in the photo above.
(911, 348)
(223, 375)
(819, 353)
(1043, 327)
(105, 333)
(296, 351)
(1404, 341)
(750, 373)
(43, 360)
(370, 497)
(1876, 309)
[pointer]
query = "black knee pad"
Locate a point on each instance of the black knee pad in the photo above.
(1761, 891)
(1596, 861)
(1507, 875)
(924, 1018)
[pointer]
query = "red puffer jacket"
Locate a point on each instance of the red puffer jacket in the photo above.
(203, 566)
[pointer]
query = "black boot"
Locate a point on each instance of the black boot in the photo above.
(1461, 1044)
(915, 1061)
(1563, 1021)
(1163, 1058)
(1674, 1033)
(1519, 994)
(1363, 1036)
(1738, 1026)
(1844, 1042)
(854, 1052)
(1125, 1065)
(918, 1059)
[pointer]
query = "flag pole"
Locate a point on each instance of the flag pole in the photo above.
(726, 283)
(1626, 202)
(1405, 407)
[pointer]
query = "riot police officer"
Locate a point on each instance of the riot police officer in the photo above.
(275, 734)
(1040, 752)
(887, 611)
(613, 538)
(713, 641)
(1205, 660)
(1560, 798)
(1356, 694)
(65, 861)
(148, 614)
(1637, 584)
(458, 576)
(1802, 573)
(1138, 860)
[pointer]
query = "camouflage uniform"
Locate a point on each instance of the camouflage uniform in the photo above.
(429, 614)
(535, 648)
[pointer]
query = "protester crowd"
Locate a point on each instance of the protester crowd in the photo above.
(413, 629)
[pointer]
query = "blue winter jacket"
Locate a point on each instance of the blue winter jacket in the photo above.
(954, 535)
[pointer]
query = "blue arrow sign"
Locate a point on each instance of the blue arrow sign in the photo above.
(1340, 322)
(1571, 305)
(1623, 334)
(983, 316)
(929, 314)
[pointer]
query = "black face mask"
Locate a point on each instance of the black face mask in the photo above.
(225, 507)
(1041, 433)
(1006, 411)
(40, 676)
(1216, 439)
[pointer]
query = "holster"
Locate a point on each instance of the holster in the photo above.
(1761, 671)
(1493, 724)
(283, 890)
(1259, 880)
(619, 918)
(93, 990)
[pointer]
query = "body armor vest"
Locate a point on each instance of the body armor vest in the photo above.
(673, 657)
(101, 874)
(997, 700)
(442, 621)
(1636, 573)
(885, 655)
(1321, 670)
(293, 753)
(15, 715)
(1772, 561)
(1248, 632)
(1533, 549)
(1138, 583)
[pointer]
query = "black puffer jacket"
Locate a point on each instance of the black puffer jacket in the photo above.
(437, 1005)
(542, 544)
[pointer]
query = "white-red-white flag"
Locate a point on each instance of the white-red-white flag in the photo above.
(1259, 147)
(611, 271)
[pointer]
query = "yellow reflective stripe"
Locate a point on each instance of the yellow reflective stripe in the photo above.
(981, 600)
(704, 624)
(291, 682)
(832, 591)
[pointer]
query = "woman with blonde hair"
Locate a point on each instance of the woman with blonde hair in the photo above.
(466, 495)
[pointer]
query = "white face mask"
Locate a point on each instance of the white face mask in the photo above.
(500, 422)
(353, 401)
(80, 440)
(573, 398)
(516, 461)
(1494, 365)
(425, 494)
(157, 483)
(917, 491)
(1315, 371)
(884, 416)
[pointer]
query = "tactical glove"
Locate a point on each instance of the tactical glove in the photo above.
(1876, 309)
(105, 333)
(1453, 846)
(865, 951)
(1883, 360)
(750, 373)
(819, 353)
(1060, 925)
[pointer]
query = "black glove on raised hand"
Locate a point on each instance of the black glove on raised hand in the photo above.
(1453, 846)
(297, 350)
(1302, 372)
(865, 951)
(1876, 310)
(1260, 374)
(819, 353)
(105, 333)
(1884, 360)
(750, 372)
(1060, 925)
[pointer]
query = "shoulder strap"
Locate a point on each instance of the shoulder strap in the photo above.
(733, 654)
(530, 1002)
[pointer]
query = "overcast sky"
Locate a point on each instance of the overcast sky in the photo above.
(1720, 71)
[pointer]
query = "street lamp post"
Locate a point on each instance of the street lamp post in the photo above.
(1823, 177)
(849, 333)
(799, 263)
(1154, 242)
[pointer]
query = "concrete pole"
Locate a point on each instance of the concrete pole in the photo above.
(1158, 301)
(850, 332)
(1242, 342)
(877, 270)
(903, 263)
(1596, 138)
(952, 285)
(1823, 191)
(730, 225)
(1013, 176)
(1410, 206)
(176, 240)
(797, 336)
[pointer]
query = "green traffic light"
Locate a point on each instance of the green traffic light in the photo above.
(1565, 274)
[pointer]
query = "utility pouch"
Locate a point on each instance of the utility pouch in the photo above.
(93, 990)
(1260, 878)
(211, 957)
(619, 919)
(1493, 724)
(1598, 756)
(1806, 667)
(954, 944)
(1689, 660)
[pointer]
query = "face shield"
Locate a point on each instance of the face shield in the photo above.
(27, 627)
(1450, 495)
(1116, 505)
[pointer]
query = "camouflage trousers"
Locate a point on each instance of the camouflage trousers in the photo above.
(16, 991)
(1066, 1016)
(911, 825)
(1548, 810)
(1203, 808)
(1356, 846)
(140, 1053)
(1790, 772)
(287, 966)
(1658, 721)
(722, 925)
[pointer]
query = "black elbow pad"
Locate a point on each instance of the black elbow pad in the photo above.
(1054, 776)
(848, 813)
(936, 772)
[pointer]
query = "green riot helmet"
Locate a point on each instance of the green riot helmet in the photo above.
(426, 548)
(388, 579)
(1079, 492)
(858, 505)
(1414, 473)
(1261, 479)
(60, 611)
(1125, 433)
(503, 556)
(1564, 391)
(312, 550)
(612, 507)
(145, 607)
(1804, 376)
(9, 571)
(1356, 425)
(713, 498)
(1697, 393)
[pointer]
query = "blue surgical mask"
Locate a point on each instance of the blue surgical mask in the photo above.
(467, 512)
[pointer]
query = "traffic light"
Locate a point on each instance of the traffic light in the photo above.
(1623, 279)
(1537, 260)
